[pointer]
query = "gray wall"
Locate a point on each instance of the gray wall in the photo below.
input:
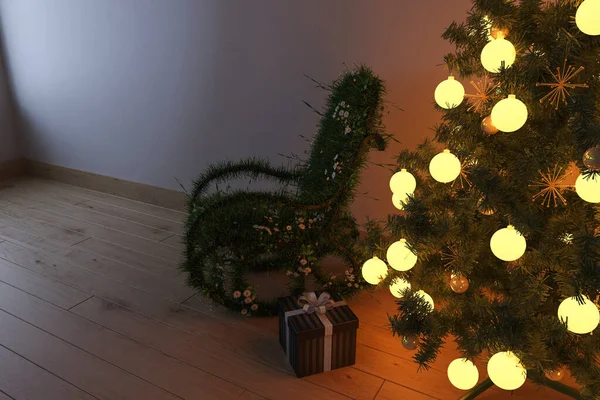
(150, 90)
(9, 148)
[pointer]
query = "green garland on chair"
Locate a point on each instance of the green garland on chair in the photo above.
(232, 232)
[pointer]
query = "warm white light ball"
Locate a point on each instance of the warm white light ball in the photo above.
(398, 286)
(449, 93)
(463, 374)
(508, 244)
(374, 271)
(403, 182)
(588, 189)
(580, 318)
(427, 298)
(400, 257)
(497, 52)
(506, 371)
(587, 17)
(510, 114)
(399, 200)
(445, 167)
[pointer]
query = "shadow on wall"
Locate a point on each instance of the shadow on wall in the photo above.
(399, 40)
(9, 148)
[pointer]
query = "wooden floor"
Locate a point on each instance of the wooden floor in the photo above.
(93, 306)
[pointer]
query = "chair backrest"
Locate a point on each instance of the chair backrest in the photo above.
(350, 127)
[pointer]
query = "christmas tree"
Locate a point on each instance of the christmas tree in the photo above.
(498, 243)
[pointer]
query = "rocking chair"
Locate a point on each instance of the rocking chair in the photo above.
(232, 232)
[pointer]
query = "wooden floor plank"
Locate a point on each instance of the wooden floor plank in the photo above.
(226, 363)
(349, 381)
(165, 266)
(32, 211)
(25, 194)
(86, 194)
(134, 216)
(263, 326)
(392, 391)
(131, 257)
(21, 379)
(24, 185)
(382, 340)
(433, 382)
(364, 303)
(152, 366)
(81, 369)
(175, 290)
(23, 220)
(217, 330)
(39, 227)
(250, 396)
(66, 197)
(52, 291)
(175, 241)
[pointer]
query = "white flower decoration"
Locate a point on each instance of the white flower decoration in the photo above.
(346, 114)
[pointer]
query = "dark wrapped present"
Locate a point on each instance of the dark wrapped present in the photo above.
(317, 333)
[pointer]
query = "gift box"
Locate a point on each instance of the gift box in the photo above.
(317, 333)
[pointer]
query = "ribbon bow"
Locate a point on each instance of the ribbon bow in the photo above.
(310, 303)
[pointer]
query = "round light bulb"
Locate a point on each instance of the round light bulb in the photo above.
(399, 200)
(427, 298)
(508, 244)
(403, 182)
(588, 188)
(400, 257)
(449, 93)
(445, 167)
(587, 17)
(506, 371)
(463, 374)
(374, 271)
(496, 53)
(398, 286)
(580, 318)
(510, 114)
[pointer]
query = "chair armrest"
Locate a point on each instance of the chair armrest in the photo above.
(254, 168)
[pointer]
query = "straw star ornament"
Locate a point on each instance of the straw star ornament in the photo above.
(561, 85)
(551, 187)
(463, 178)
(484, 89)
(450, 257)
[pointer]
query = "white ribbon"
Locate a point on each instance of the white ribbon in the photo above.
(311, 304)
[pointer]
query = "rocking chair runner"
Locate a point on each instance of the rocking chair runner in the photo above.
(232, 232)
